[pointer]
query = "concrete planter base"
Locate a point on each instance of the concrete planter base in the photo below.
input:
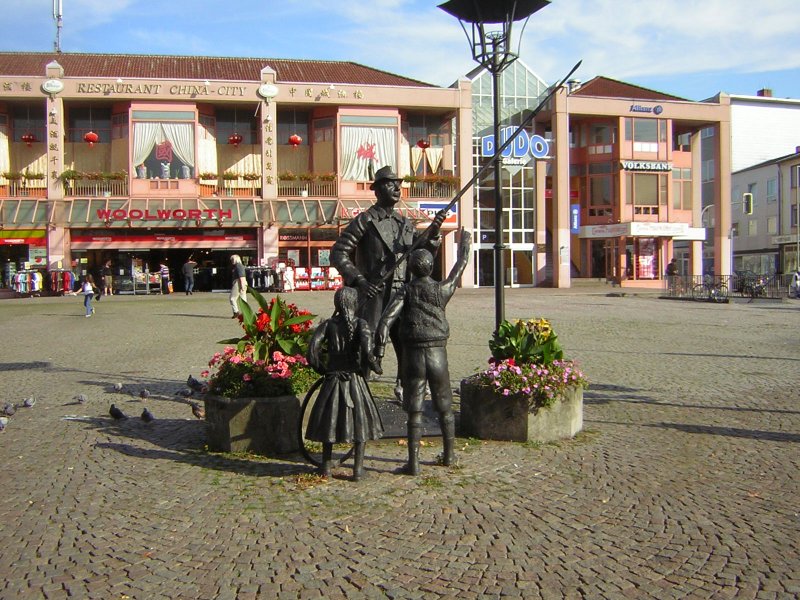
(489, 416)
(265, 426)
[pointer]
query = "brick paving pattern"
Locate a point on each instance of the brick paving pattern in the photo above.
(683, 484)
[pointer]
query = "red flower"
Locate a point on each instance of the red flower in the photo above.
(262, 321)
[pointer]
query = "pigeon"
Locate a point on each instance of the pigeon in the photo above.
(80, 398)
(195, 384)
(117, 413)
(117, 387)
(3, 423)
(197, 410)
(147, 416)
(144, 393)
(8, 409)
(28, 402)
(186, 392)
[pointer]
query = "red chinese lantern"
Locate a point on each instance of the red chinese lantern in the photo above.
(235, 139)
(423, 144)
(295, 140)
(91, 138)
(28, 138)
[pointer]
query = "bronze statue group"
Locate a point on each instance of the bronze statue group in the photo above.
(389, 296)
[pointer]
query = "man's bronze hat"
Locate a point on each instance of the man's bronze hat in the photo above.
(384, 174)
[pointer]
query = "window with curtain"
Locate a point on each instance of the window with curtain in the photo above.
(163, 150)
(364, 150)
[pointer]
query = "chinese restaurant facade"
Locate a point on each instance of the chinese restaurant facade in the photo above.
(142, 159)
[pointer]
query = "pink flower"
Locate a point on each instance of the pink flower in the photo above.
(247, 377)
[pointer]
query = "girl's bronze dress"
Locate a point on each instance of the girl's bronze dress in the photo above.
(345, 410)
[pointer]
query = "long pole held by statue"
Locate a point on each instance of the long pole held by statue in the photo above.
(525, 122)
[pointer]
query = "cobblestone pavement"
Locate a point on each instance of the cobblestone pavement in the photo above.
(683, 484)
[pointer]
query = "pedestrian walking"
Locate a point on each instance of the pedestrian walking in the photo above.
(239, 285)
(188, 275)
(106, 281)
(88, 290)
(164, 270)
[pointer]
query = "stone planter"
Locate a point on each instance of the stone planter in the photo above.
(490, 416)
(265, 426)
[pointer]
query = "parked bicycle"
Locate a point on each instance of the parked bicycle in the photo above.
(710, 291)
(755, 288)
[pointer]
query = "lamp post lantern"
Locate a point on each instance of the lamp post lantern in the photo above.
(490, 38)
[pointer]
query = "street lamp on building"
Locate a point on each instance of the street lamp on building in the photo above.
(494, 48)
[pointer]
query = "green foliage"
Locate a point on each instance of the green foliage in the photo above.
(275, 326)
(269, 359)
(532, 341)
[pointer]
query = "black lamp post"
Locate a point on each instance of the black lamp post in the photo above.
(492, 48)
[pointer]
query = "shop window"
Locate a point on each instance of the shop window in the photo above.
(242, 122)
(163, 144)
(28, 119)
(208, 128)
(772, 225)
(81, 121)
(772, 189)
(323, 130)
(646, 192)
(119, 126)
(292, 122)
(682, 189)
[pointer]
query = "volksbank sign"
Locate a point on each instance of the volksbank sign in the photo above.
(520, 151)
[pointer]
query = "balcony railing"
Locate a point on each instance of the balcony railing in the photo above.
(236, 188)
(96, 188)
(13, 188)
(427, 189)
(312, 189)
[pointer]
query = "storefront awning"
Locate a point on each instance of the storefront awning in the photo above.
(23, 212)
(314, 211)
(681, 231)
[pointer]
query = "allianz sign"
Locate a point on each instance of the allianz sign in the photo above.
(520, 151)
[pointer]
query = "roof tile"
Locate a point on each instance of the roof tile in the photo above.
(32, 64)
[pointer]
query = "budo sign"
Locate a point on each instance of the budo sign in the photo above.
(520, 151)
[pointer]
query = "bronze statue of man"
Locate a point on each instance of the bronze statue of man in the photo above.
(367, 252)
(419, 309)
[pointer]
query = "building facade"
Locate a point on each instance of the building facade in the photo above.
(604, 184)
(138, 159)
(763, 127)
(767, 240)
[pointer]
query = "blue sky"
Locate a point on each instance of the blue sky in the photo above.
(689, 48)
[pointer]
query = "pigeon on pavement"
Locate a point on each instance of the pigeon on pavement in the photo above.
(3, 423)
(144, 393)
(195, 384)
(117, 413)
(28, 402)
(8, 409)
(197, 410)
(185, 393)
(147, 416)
(117, 387)
(80, 398)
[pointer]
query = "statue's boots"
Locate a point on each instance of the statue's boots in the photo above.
(414, 436)
(327, 460)
(358, 465)
(447, 422)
